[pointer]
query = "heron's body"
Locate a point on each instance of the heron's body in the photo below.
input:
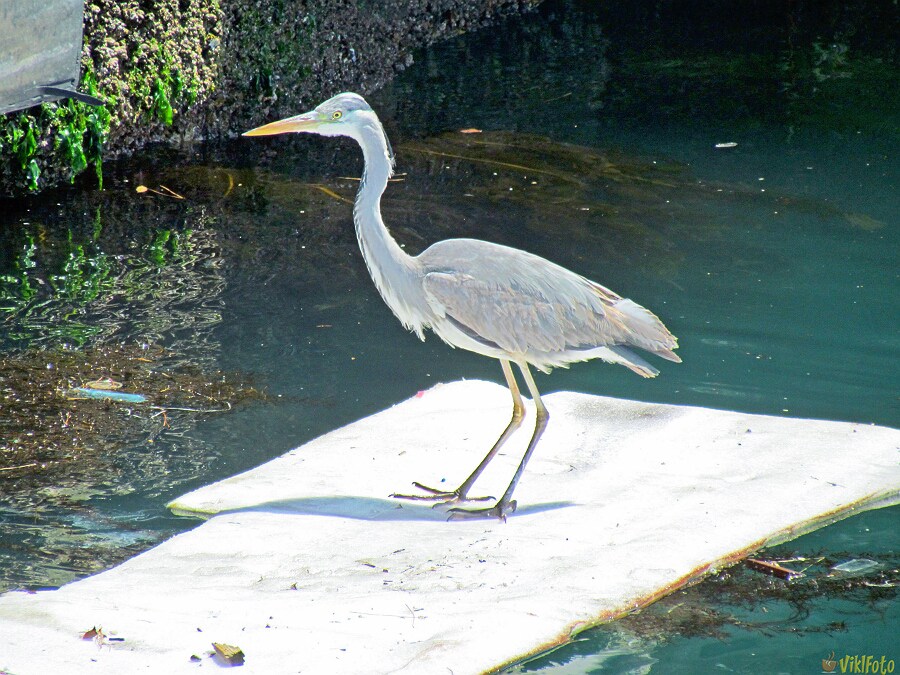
(509, 304)
(490, 299)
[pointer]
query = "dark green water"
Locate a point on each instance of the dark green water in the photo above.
(775, 261)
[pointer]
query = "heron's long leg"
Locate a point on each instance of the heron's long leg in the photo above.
(461, 493)
(515, 422)
(507, 504)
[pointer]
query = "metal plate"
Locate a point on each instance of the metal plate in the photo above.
(40, 48)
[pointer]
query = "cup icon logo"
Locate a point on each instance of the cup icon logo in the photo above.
(829, 664)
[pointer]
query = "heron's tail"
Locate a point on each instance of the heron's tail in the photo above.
(633, 362)
(643, 329)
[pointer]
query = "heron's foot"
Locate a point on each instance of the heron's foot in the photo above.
(499, 511)
(443, 497)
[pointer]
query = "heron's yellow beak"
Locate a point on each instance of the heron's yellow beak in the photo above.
(298, 123)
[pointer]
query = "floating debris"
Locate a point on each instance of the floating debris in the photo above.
(106, 383)
(105, 394)
(63, 450)
(773, 568)
(740, 598)
(41, 430)
(163, 191)
(856, 566)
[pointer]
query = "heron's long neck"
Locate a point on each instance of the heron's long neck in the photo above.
(396, 274)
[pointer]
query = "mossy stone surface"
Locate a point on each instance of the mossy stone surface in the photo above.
(180, 70)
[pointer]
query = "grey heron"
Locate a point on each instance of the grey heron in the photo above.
(490, 299)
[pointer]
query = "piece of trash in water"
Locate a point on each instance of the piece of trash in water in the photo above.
(105, 383)
(730, 144)
(856, 566)
(84, 392)
(229, 654)
(773, 568)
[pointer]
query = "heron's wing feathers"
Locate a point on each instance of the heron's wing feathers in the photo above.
(525, 304)
(509, 317)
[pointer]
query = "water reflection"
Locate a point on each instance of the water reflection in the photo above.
(68, 283)
(118, 286)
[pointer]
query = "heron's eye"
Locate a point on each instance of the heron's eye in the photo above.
(336, 115)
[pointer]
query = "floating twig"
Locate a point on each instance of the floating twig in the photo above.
(331, 193)
(163, 192)
(163, 409)
(20, 466)
(773, 569)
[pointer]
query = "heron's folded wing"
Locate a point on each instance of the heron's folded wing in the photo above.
(516, 317)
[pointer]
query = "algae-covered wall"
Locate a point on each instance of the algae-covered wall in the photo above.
(174, 70)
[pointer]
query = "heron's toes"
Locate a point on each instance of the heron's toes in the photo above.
(434, 497)
(498, 511)
(442, 497)
(451, 503)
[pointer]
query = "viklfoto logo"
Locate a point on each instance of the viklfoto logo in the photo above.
(858, 663)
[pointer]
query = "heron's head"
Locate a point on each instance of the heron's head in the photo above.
(346, 114)
(342, 115)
